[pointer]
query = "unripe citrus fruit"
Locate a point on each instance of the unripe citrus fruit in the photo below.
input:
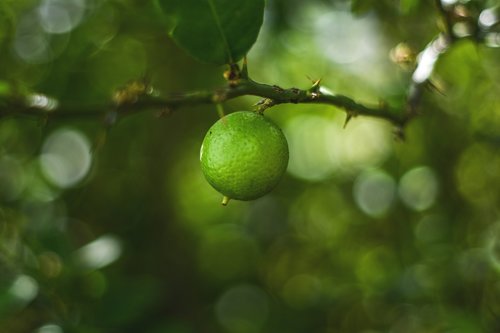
(244, 155)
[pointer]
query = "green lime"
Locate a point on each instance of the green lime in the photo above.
(244, 155)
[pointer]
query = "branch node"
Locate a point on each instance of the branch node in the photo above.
(399, 133)
(296, 92)
(264, 104)
(278, 89)
(130, 93)
(219, 96)
(165, 112)
(233, 75)
(315, 95)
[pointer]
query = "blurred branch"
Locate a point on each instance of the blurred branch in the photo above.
(427, 61)
(422, 73)
(130, 104)
(476, 29)
(446, 16)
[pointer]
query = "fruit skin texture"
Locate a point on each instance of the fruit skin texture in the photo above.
(244, 155)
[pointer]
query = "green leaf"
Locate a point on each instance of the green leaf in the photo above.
(214, 31)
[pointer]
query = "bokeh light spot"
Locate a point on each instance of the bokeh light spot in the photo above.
(431, 229)
(227, 252)
(418, 188)
(50, 328)
(38, 188)
(302, 290)
(377, 268)
(493, 246)
(488, 18)
(345, 39)
(12, 178)
(374, 192)
(473, 264)
(320, 147)
(60, 16)
(243, 309)
(31, 42)
(364, 143)
(99, 253)
(309, 138)
(95, 284)
(42, 102)
(50, 264)
(319, 215)
(24, 288)
(32, 48)
(492, 39)
(66, 157)
(476, 170)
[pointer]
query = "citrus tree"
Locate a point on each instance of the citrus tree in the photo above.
(359, 139)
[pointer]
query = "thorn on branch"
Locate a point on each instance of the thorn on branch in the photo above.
(348, 117)
(435, 86)
(314, 91)
(315, 86)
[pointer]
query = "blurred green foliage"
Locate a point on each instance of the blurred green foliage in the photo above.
(364, 233)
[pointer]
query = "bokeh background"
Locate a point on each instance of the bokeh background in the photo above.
(365, 233)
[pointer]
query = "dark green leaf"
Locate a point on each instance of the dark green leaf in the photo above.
(214, 31)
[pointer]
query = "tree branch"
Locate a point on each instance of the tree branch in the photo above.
(243, 87)
(137, 97)
(445, 14)
(427, 62)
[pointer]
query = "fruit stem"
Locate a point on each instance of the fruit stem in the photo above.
(225, 200)
(220, 110)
